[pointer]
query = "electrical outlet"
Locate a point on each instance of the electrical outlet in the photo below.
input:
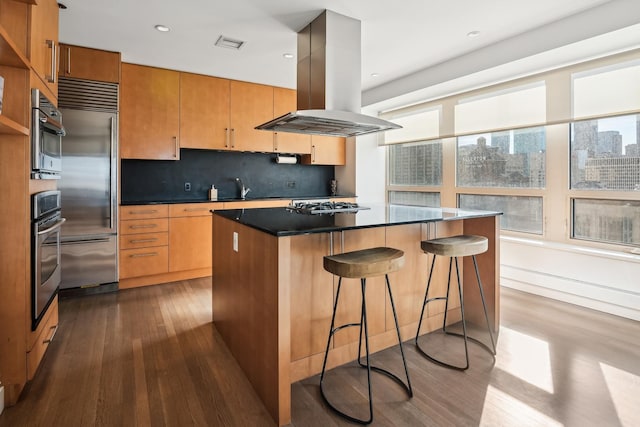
(291, 184)
(235, 241)
(187, 186)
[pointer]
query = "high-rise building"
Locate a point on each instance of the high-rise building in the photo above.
(585, 136)
(501, 140)
(609, 144)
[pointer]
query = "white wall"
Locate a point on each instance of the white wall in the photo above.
(593, 278)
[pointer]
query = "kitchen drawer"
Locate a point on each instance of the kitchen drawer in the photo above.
(252, 204)
(143, 240)
(137, 226)
(45, 333)
(193, 209)
(143, 212)
(144, 261)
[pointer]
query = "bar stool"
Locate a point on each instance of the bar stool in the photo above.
(454, 247)
(362, 264)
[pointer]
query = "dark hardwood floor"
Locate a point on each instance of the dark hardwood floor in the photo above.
(151, 357)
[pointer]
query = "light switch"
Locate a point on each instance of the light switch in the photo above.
(235, 241)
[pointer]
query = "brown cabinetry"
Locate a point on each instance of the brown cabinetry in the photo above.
(44, 43)
(143, 240)
(251, 105)
(284, 101)
(326, 150)
(190, 241)
(86, 63)
(204, 112)
(149, 113)
(42, 337)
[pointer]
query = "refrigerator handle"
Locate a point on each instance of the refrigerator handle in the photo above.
(112, 173)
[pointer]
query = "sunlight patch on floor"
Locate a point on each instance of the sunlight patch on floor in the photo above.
(501, 409)
(525, 357)
(624, 389)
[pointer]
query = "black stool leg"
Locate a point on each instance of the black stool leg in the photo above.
(426, 300)
(484, 307)
(404, 361)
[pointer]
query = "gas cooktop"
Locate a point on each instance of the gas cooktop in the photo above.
(324, 207)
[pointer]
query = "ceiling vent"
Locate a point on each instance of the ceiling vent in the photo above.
(229, 43)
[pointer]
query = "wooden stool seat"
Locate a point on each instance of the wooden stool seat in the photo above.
(365, 263)
(455, 246)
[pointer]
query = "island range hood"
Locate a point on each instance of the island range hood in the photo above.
(328, 82)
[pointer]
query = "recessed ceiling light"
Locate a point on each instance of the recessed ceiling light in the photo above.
(375, 75)
(162, 28)
(229, 43)
(474, 33)
(287, 55)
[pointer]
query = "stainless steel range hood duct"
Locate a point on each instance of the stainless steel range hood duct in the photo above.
(329, 86)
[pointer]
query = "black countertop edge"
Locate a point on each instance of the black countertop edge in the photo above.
(282, 222)
(257, 199)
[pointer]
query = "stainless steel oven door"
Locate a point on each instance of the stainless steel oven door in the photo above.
(46, 263)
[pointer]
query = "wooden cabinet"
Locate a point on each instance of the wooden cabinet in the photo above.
(41, 338)
(284, 101)
(326, 150)
(204, 112)
(144, 239)
(91, 64)
(190, 236)
(251, 105)
(44, 43)
(149, 113)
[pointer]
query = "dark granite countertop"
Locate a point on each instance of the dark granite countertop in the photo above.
(284, 222)
(169, 202)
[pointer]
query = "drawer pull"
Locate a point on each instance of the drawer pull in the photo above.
(195, 209)
(134, 227)
(54, 329)
(143, 255)
(153, 239)
(150, 211)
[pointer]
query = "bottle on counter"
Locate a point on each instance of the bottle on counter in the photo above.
(213, 193)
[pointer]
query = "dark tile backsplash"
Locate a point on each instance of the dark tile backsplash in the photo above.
(164, 180)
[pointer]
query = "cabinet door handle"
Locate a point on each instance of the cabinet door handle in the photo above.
(233, 138)
(177, 148)
(313, 154)
(134, 227)
(54, 329)
(143, 240)
(52, 45)
(226, 137)
(195, 209)
(150, 211)
(68, 60)
(275, 141)
(143, 255)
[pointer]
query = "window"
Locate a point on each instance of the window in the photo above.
(520, 213)
(611, 221)
(514, 158)
(415, 198)
(416, 164)
(605, 154)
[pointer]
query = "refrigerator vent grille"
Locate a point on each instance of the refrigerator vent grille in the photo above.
(87, 95)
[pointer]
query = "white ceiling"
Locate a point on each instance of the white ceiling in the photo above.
(399, 39)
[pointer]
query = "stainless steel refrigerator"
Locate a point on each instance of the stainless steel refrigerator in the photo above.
(88, 183)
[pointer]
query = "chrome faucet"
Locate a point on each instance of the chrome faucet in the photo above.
(243, 190)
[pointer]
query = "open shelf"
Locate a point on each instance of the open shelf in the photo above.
(9, 53)
(9, 127)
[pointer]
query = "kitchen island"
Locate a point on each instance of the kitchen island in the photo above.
(272, 298)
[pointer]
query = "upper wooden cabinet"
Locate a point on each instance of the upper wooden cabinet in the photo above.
(284, 101)
(251, 105)
(149, 113)
(91, 64)
(326, 150)
(204, 112)
(44, 42)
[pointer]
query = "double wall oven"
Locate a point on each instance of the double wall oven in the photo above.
(46, 221)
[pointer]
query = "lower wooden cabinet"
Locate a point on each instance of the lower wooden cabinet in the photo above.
(190, 243)
(144, 261)
(41, 338)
